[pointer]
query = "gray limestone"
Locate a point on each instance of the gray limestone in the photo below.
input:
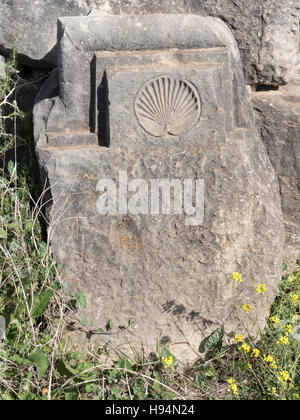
(31, 25)
(267, 31)
(157, 98)
(278, 119)
(2, 67)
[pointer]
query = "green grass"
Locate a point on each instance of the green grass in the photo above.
(36, 363)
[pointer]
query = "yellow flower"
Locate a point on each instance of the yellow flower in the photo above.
(273, 390)
(232, 386)
(247, 308)
(284, 376)
(261, 288)
(271, 361)
(245, 348)
(238, 339)
(268, 359)
(288, 329)
(250, 366)
(255, 353)
(167, 361)
(284, 341)
(237, 277)
(294, 298)
(274, 321)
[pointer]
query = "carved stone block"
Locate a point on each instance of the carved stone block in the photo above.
(143, 102)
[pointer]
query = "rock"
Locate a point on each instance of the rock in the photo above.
(267, 32)
(2, 67)
(279, 56)
(34, 27)
(144, 99)
(278, 119)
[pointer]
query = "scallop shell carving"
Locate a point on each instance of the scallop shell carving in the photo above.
(167, 105)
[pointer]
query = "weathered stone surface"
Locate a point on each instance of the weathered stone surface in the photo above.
(278, 118)
(2, 66)
(279, 56)
(33, 24)
(267, 32)
(169, 279)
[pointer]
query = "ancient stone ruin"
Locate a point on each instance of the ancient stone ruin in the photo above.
(137, 103)
(277, 115)
(267, 32)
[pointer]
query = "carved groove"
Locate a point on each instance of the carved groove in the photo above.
(167, 105)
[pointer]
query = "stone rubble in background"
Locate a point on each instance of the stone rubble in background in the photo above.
(2, 67)
(278, 119)
(151, 275)
(33, 27)
(267, 31)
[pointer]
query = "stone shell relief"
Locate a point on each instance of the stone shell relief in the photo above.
(167, 106)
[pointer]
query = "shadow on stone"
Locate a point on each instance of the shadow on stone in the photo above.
(103, 113)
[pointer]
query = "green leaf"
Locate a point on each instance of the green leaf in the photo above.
(40, 359)
(29, 226)
(56, 286)
(76, 355)
(198, 379)
(71, 396)
(139, 392)
(114, 375)
(215, 340)
(158, 376)
(20, 360)
(110, 325)
(210, 372)
(100, 331)
(92, 388)
(64, 369)
(124, 364)
(3, 234)
(115, 394)
(82, 366)
(11, 167)
(41, 302)
(80, 300)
